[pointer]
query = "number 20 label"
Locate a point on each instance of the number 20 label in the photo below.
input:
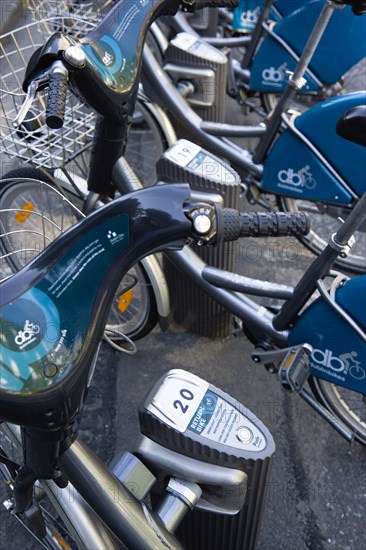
(178, 398)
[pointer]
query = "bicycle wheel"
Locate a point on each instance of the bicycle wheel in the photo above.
(347, 405)
(25, 233)
(133, 312)
(324, 222)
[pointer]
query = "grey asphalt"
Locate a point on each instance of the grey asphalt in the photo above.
(317, 490)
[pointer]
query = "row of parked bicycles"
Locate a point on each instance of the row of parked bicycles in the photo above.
(114, 114)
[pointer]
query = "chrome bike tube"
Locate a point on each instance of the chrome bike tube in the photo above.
(131, 521)
(80, 520)
(254, 315)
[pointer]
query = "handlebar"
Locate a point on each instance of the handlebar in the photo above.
(108, 78)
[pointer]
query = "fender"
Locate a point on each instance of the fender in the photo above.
(161, 119)
(344, 40)
(322, 165)
(160, 288)
(339, 354)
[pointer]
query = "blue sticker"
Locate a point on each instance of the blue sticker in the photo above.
(203, 414)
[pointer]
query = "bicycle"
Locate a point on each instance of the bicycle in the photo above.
(70, 307)
(172, 215)
(274, 48)
(284, 131)
(62, 159)
(315, 199)
(243, 89)
(121, 180)
(261, 323)
(245, 309)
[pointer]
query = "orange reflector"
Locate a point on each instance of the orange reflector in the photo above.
(124, 300)
(63, 544)
(21, 216)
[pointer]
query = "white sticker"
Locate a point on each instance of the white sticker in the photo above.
(178, 398)
(190, 43)
(208, 167)
(183, 152)
(184, 40)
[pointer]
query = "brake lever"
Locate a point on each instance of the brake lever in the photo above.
(30, 97)
(33, 87)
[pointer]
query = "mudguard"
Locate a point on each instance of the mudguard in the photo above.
(292, 169)
(339, 354)
(341, 47)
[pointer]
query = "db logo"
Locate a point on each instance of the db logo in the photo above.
(347, 362)
(28, 332)
(301, 178)
(107, 59)
(327, 359)
(274, 75)
(250, 16)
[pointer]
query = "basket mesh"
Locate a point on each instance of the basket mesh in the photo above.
(76, 15)
(33, 141)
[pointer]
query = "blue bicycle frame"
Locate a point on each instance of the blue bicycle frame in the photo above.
(344, 41)
(339, 354)
(322, 165)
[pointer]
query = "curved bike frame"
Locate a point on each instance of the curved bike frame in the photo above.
(150, 263)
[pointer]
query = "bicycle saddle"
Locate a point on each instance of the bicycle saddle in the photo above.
(352, 125)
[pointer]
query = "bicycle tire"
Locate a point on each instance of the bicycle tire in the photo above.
(322, 226)
(348, 406)
(134, 310)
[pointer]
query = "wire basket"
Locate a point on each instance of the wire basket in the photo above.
(33, 141)
(76, 15)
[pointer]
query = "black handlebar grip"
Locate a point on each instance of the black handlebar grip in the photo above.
(215, 4)
(56, 100)
(274, 224)
(264, 224)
